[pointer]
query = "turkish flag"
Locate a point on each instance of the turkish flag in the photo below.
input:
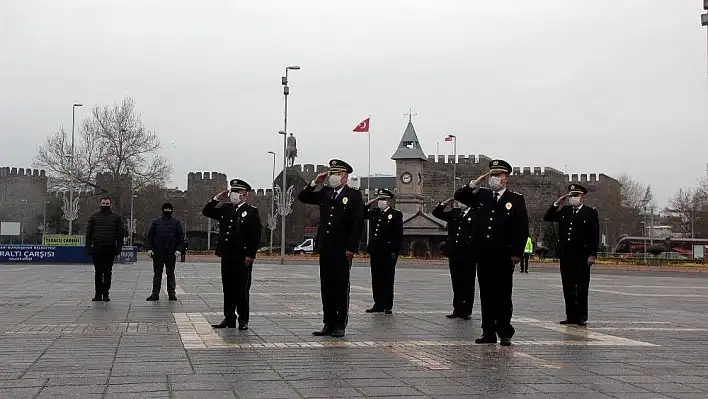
(448, 138)
(363, 127)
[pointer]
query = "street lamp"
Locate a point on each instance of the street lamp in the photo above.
(271, 217)
(22, 222)
(284, 132)
(71, 174)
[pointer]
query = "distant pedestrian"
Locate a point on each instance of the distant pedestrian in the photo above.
(527, 255)
(164, 244)
(104, 240)
(184, 249)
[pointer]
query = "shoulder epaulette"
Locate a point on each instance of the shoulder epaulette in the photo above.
(514, 192)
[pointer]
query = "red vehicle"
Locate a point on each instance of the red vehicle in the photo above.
(682, 246)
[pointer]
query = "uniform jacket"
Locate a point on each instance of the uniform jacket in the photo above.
(578, 233)
(341, 219)
(165, 236)
(386, 231)
(239, 229)
(104, 231)
(501, 227)
(459, 230)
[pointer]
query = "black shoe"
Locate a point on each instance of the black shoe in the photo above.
(153, 297)
(97, 298)
(486, 339)
(243, 326)
(466, 316)
(225, 324)
(374, 310)
(453, 315)
(527, 271)
(173, 297)
(505, 341)
(106, 298)
(337, 332)
(326, 330)
(388, 311)
(582, 323)
(567, 321)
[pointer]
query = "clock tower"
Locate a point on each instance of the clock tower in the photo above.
(409, 159)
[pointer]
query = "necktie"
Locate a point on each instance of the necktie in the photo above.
(496, 196)
(334, 195)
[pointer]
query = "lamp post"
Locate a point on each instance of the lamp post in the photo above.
(22, 221)
(272, 204)
(704, 17)
(286, 93)
(71, 175)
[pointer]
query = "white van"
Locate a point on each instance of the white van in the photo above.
(307, 247)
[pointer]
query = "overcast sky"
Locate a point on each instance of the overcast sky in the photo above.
(600, 86)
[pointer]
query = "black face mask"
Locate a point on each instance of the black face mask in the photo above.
(105, 208)
(167, 213)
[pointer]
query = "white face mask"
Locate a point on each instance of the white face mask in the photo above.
(382, 204)
(334, 180)
(495, 183)
(235, 198)
(574, 201)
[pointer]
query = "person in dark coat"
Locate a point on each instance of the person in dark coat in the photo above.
(499, 234)
(338, 234)
(184, 250)
(385, 236)
(458, 250)
(239, 237)
(164, 244)
(578, 239)
(104, 240)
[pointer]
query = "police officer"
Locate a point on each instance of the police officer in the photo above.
(458, 250)
(239, 237)
(338, 235)
(499, 236)
(578, 239)
(385, 238)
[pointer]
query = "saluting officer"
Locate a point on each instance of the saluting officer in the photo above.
(578, 239)
(338, 234)
(239, 237)
(458, 250)
(499, 235)
(385, 238)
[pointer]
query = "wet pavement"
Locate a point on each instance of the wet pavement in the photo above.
(646, 338)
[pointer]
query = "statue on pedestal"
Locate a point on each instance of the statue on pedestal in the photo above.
(291, 150)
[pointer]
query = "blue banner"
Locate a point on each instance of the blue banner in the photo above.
(50, 254)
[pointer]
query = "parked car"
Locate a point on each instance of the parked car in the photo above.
(307, 247)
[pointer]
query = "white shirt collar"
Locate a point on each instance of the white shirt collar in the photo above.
(578, 208)
(386, 210)
(501, 192)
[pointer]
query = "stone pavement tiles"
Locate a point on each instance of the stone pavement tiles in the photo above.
(646, 338)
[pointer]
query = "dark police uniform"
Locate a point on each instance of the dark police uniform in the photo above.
(239, 237)
(340, 228)
(458, 250)
(578, 239)
(500, 231)
(385, 237)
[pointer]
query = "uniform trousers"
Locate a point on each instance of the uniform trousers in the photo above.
(383, 273)
(463, 271)
(334, 286)
(496, 280)
(236, 283)
(103, 268)
(160, 262)
(575, 276)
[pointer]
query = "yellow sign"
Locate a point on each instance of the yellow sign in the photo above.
(63, 240)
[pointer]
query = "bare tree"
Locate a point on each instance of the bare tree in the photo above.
(112, 140)
(635, 197)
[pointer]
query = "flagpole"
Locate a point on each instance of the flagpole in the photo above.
(368, 184)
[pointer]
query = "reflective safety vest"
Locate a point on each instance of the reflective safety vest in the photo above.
(529, 246)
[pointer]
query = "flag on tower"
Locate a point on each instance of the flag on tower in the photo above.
(448, 138)
(363, 127)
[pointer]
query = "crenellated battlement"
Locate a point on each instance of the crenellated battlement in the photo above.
(588, 178)
(461, 159)
(22, 172)
(536, 171)
(201, 176)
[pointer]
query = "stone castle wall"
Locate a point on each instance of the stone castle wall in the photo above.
(23, 193)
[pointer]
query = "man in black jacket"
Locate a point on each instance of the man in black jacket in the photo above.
(578, 239)
(239, 237)
(338, 234)
(499, 234)
(104, 240)
(164, 244)
(458, 250)
(384, 245)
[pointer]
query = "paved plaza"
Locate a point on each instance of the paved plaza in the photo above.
(646, 338)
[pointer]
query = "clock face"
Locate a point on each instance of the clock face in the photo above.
(406, 178)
